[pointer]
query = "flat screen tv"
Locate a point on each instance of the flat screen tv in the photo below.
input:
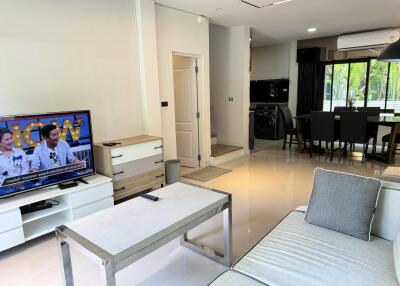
(45, 149)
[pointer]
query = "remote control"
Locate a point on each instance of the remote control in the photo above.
(150, 197)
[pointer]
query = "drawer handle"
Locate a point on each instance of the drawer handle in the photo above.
(160, 176)
(119, 156)
(158, 147)
(159, 162)
(120, 189)
(119, 173)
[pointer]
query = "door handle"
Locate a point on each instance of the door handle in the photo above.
(119, 173)
(159, 161)
(160, 176)
(158, 147)
(119, 156)
(120, 189)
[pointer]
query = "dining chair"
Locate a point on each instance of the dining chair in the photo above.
(323, 129)
(289, 129)
(338, 109)
(372, 127)
(385, 140)
(353, 130)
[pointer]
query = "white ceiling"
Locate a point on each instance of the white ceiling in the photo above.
(290, 20)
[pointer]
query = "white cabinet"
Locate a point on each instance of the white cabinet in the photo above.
(135, 164)
(73, 203)
(11, 238)
(10, 219)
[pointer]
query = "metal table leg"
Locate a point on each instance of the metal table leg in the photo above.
(109, 273)
(390, 156)
(66, 236)
(66, 262)
(226, 257)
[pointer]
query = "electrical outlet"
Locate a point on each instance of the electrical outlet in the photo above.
(230, 98)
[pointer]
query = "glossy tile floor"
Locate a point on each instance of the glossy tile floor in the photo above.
(265, 185)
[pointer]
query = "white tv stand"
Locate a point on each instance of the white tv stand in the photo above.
(74, 203)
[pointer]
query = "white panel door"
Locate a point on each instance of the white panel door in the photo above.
(185, 91)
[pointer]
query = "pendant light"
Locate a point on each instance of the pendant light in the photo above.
(391, 53)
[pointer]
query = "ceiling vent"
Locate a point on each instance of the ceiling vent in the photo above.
(263, 3)
(369, 40)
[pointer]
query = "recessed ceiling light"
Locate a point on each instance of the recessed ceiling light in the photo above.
(312, 30)
(278, 2)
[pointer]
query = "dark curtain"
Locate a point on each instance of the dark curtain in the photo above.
(310, 87)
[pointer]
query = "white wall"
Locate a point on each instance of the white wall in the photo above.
(147, 44)
(184, 34)
(270, 62)
(293, 77)
(230, 77)
(66, 55)
(275, 62)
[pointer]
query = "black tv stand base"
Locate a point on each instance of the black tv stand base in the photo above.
(81, 180)
(71, 184)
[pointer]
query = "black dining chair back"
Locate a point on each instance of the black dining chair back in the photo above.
(353, 129)
(322, 125)
(372, 127)
(289, 129)
(323, 129)
(287, 117)
(338, 109)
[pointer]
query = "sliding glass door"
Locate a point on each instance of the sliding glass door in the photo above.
(357, 86)
(340, 81)
(364, 82)
(378, 75)
(393, 97)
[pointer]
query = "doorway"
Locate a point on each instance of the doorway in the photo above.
(185, 72)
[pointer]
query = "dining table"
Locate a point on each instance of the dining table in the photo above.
(388, 120)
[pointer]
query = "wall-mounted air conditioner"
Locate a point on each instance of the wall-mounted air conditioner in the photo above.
(369, 40)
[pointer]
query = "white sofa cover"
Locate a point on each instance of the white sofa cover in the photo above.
(233, 278)
(297, 253)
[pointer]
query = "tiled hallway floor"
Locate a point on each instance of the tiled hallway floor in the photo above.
(265, 185)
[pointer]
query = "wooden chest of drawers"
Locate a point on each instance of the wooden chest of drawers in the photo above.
(136, 164)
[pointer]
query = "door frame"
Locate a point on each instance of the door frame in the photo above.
(201, 122)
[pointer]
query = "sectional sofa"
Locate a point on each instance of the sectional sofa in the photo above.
(298, 253)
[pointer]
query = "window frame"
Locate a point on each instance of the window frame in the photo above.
(349, 62)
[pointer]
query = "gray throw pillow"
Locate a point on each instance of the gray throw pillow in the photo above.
(343, 202)
(396, 253)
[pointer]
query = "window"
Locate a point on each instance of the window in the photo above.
(393, 98)
(366, 82)
(377, 84)
(340, 79)
(358, 79)
(328, 87)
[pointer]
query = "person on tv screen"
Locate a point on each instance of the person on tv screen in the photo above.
(53, 152)
(13, 161)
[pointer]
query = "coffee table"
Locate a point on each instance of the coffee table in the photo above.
(118, 236)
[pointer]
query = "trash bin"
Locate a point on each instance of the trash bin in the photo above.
(172, 171)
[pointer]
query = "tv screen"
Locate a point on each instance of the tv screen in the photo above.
(42, 150)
